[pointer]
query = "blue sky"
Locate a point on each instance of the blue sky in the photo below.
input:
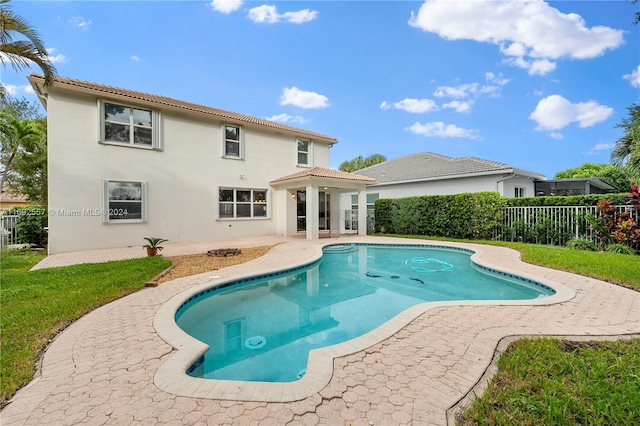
(534, 84)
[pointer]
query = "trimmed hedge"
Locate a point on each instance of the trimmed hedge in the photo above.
(469, 215)
(569, 200)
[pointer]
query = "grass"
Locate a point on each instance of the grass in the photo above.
(37, 305)
(558, 382)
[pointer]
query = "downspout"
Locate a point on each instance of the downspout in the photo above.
(512, 175)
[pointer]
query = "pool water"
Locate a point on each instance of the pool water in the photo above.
(263, 329)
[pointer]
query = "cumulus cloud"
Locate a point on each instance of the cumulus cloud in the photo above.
(459, 106)
(14, 90)
(462, 91)
(555, 112)
(600, 147)
(416, 106)
(633, 77)
(286, 118)
(226, 6)
(135, 58)
(269, 14)
(56, 59)
(439, 129)
(530, 33)
(80, 22)
(303, 99)
(557, 136)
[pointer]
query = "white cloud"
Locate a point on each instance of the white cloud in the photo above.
(555, 112)
(439, 129)
(286, 118)
(557, 136)
(526, 31)
(633, 77)
(135, 58)
(80, 22)
(14, 90)
(416, 106)
(600, 147)
(56, 59)
(226, 6)
(466, 90)
(303, 99)
(269, 14)
(459, 106)
(497, 79)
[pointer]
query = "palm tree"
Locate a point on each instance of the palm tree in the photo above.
(627, 148)
(16, 136)
(21, 53)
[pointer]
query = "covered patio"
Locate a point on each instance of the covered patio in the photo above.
(320, 209)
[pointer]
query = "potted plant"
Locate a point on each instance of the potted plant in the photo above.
(154, 245)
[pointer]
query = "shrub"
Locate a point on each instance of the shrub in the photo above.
(619, 248)
(569, 200)
(582, 244)
(30, 226)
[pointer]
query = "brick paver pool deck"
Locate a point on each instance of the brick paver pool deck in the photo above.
(101, 369)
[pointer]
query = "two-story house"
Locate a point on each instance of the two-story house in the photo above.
(125, 165)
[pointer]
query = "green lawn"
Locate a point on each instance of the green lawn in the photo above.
(558, 382)
(37, 305)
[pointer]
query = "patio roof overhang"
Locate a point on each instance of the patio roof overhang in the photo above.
(322, 176)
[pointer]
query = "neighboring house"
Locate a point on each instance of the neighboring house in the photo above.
(125, 165)
(577, 186)
(9, 200)
(432, 174)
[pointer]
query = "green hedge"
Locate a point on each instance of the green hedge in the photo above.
(30, 224)
(569, 200)
(468, 215)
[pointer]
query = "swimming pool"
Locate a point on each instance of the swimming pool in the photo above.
(263, 328)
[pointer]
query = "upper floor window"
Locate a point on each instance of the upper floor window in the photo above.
(304, 157)
(233, 146)
(124, 201)
(239, 203)
(519, 191)
(128, 125)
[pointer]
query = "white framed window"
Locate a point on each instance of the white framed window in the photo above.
(519, 191)
(233, 141)
(124, 201)
(371, 199)
(238, 203)
(304, 152)
(129, 125)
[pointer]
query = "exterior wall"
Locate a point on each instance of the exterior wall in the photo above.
(183, 179)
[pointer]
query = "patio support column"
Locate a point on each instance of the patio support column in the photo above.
(362, 210)
(334, 199)
(313, 207)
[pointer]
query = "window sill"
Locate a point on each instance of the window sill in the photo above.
(128, 145)
(240, 219)
(230, 157)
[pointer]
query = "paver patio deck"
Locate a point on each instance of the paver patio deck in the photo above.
(101, 369)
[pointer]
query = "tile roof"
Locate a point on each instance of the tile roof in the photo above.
(37, 80)
(323, 172)
(427, 165)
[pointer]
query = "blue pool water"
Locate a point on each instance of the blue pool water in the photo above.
(262, 328)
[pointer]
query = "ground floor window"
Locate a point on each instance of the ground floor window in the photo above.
(371, 199)
(242, 203)
(124, 201)
(519, 191)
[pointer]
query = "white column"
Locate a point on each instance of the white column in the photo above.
(362, 210)
(334, 199)
(312, 212)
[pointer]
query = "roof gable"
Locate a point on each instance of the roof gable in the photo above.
(37, 81)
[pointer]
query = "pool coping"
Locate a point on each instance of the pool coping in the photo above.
(171, 376)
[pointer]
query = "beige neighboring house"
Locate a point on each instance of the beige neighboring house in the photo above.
(124, 165)
(9, 200)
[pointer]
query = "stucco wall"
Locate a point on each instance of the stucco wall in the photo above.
(183, 179)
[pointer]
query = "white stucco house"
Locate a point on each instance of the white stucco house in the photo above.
(125, 165)
(427, 173)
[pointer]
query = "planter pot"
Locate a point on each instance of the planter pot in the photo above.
(152, 251)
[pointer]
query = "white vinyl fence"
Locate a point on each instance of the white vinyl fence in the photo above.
(551, 225)
(9, 231)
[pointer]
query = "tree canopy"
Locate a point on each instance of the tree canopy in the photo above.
(613, 175)
(21, 53)
(626, 151)
(361, 162)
